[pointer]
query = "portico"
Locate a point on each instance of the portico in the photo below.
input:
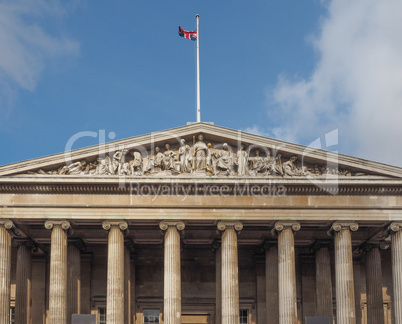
(184, 245)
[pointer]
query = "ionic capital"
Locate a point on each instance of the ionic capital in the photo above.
(338, 226)
(121, 224)
(395, 227)
(266, 245)
(78, 243)
(24, 242)
(321, 244)
(282, 225)
(164, 225)
(368, 246)
(6, 223)
(216, 244)
(236, 225)
(63, 223)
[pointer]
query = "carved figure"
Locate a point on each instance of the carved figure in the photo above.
(241, 161)
(169, 159)
(257, 164)
(184, 157)
(269, 163)
(103, 166)
(76, 167)
(276, 167)
(223, 159)
(201, 152)
(154, 162)
(136, 163)
(290, 168)
(158, 159)
(120, 166)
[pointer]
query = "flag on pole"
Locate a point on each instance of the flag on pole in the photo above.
(188, 34)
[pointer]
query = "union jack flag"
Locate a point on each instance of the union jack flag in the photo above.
(188, 34)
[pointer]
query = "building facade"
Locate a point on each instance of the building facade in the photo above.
(200, 224)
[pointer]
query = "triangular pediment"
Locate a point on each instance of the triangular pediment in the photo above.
(217, 154)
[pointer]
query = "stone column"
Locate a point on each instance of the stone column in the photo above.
(323, 281)
(172, 272)
(23, 282)
(287, 271)
(86, 260)
(58, 271)
(129, 246)
(216, 247)
(396, 249)
(74, 278)
(271, 283)
(230, 271)
(115, 271)
(375, 308)
(5, 269)
(345, 292)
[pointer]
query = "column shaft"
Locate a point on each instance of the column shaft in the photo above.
(375, 308)
(345, 293)
(127, 286)
(396, 247)
(230, 278)
(58, 277)
(287, 277)
(73, 281)
(172, 277)
(115, 277)
(323, 282)
(23, 284)
(271, 284)
(5, 271)
(218, 286)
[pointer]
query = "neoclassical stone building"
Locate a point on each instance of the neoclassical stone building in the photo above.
(200, 224)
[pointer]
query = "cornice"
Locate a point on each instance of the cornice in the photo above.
(204, 186)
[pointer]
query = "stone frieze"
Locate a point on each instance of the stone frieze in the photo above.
(202, 158)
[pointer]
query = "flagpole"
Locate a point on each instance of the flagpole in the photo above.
(198, 71)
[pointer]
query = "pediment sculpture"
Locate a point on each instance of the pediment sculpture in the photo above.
(202, 158)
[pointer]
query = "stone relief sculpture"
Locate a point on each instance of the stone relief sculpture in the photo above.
(136, 163)
(185, 157)
(169, 159)
(257, 164)
(290, 169)
(241, 161)
(201, 153)
(223, 160)
(201, 159)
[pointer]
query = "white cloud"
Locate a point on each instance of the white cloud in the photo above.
(356, 85)
(26, 46)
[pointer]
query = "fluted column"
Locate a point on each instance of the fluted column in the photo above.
(396, 248)
(375, 308)
(216, 247)
(5, 269)
(74, 278)
(23, 282)
(323, 281)
(271, 283)
(128, 298)
(230, 272)
(172, 272)
(345, 292)
(287, 271)
(115, 271)
(58, 271)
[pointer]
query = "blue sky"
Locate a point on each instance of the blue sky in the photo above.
(289, 69)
